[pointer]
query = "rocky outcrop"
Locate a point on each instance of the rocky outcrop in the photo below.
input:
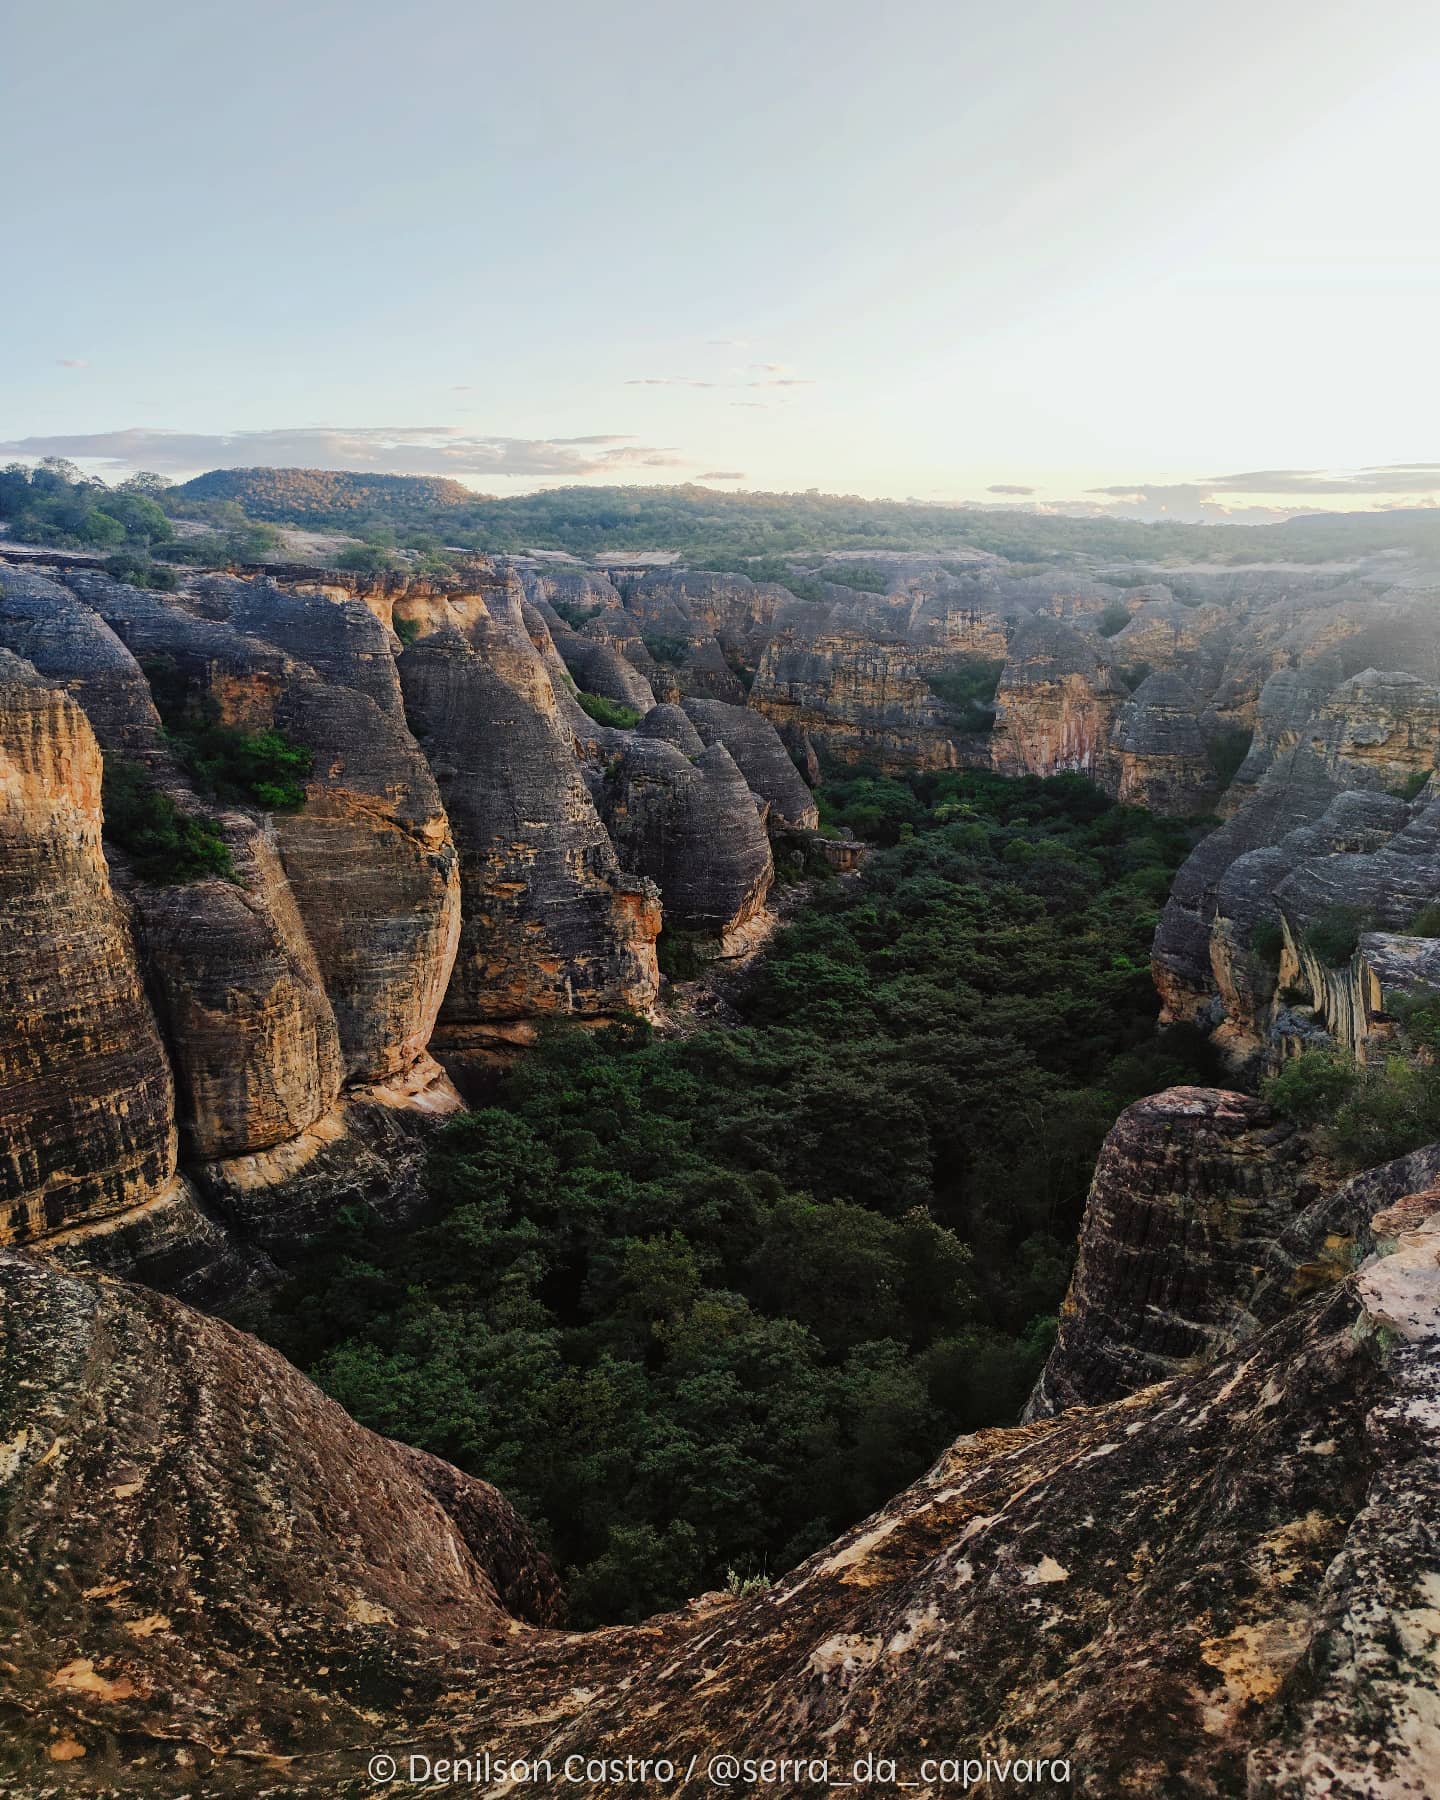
(1056, 705)
(1221, 1586)
(86, 1100)
(369, 856)
(761, 758)
(1158, 752)
(252, 1035)
(1248, 970)
(88, 1146)
(1192, 1188)
(1295, 792)
(551, 926)
(1379, 730)
(851, 672)
(693, 828)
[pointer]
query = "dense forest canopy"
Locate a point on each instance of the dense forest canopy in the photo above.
(697, 1304)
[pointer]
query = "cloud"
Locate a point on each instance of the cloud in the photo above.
(668, 381)
(380, 450)
(771, 368)
(729, 343)
(72, 362)
(722, 475)
(783, 381)
(1008, 487)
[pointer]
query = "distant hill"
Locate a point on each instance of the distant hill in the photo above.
(325, 496)
(761, 533)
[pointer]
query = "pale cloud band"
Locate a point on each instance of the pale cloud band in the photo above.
(370, 450)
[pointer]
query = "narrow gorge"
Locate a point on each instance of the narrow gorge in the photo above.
(623, 1033)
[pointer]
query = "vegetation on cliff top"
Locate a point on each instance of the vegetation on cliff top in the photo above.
(697, 1305)
(723, 530)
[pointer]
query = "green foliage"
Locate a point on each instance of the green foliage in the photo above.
(970, 689)
(609, 712)
(576, 616)
(1310, 1086)
(139, 570)
(865, 578)
(698, 1304)
(407, 630)
(1335, 936)
(1411, 786)
(1113, 620)
(1227, 750)
(367, 559)
(55, 504)
(245, 768)
(163, 844)
(667, 649)
(1426, 922)
(761, 533)
(1267, 940)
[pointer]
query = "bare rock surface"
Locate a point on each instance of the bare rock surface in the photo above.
(761, 758)
(1222, 1586)
(693, 828)
(1192, 1188)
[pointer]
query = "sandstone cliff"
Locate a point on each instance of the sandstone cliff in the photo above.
(1057, 702)
(691, 826)
(550, 925)
(1157, 750)
(1220, 1586)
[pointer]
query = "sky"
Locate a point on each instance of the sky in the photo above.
(1142, 256)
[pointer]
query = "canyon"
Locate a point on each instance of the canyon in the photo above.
(1207, 1561)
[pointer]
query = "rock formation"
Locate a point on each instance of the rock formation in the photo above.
(1057, 702)
(1158, 752)
(693, 828)
(1220, 1586)
(550, 924)
(761, 758)
(1191, 1189)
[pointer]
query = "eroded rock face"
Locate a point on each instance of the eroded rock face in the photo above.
(1192, 1187)
(1377, 730)
(851, 673)
(1217, 1587)
(256, 1052)
(761, 758)
(1056, 705)
(369, 857)
(1158, 751)
(693, 828)
(551, 926)
(86, 1099)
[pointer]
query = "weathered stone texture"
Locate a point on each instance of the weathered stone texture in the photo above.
(1220, 1587)
(693, 828)
(86, 1099)
(550, 925)
(1056, 705)
(1158, 752)
(761, 758)
(1192, 1187)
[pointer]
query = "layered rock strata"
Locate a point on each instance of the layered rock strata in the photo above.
(1191, 1189)
(1056, 705)
(691, 825)
(551, 924)
(1218, 1587)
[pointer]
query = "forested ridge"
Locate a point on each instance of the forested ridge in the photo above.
(695, 1304)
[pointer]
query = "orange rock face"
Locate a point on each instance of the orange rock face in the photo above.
(86, 1098)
